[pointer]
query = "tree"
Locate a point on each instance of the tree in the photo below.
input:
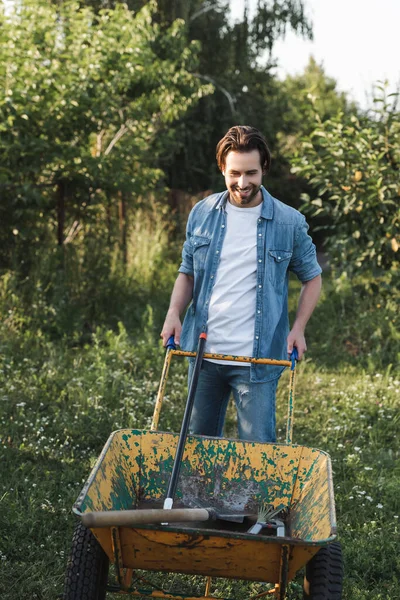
(234, 59)
(86, 106)
(353, 164)
(303, 101)
(306, 97)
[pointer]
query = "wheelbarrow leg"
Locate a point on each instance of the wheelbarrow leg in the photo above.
(279, 591)
(124, 576)
(208, 587)
(283, 573)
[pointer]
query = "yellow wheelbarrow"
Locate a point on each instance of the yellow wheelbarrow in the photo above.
(218, 526)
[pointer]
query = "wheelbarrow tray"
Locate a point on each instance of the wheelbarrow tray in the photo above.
(133, 471)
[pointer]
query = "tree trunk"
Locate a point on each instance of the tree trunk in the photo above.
(60, 212)
(122, 228)
(109, 219)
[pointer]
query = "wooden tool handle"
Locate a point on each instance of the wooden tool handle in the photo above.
(130, 518)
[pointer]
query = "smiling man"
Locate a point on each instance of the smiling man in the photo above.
(240, 246)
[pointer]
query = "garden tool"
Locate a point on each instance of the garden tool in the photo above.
(132, 518)
(266, 519)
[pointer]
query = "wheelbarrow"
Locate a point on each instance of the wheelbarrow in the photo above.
(129, 483)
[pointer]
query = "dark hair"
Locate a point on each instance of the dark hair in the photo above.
(243, 138)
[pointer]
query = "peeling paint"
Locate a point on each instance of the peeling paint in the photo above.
(134, 469)
(225, 474)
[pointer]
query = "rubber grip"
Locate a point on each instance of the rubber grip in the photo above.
(293, 357)
(171, 343)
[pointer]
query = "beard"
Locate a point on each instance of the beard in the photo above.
(248, 196)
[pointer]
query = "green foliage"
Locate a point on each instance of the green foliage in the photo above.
(353, 328)
(306, 100)
(302, 102)
(69, 292)
(233, 57)
(60, 402)
(353, 165)
(85, 109)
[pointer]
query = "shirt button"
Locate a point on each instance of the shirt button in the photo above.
(259, 311)
(256, 337)
(223, 226)
(212, 276)
(217, 252)
(260, 286)
(259, 260)
(279, 258)
(260, 234)
(259, 220)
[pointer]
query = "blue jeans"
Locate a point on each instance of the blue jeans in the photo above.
(255, 402)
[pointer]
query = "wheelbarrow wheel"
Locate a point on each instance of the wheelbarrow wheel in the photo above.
(324, 574)
(87, 568)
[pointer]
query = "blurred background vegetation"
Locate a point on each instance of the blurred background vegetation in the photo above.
(109, 117)
(110, 114)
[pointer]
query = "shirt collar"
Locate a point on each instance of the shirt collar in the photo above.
(267, 209)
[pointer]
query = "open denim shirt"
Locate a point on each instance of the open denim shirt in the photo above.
(283, 245)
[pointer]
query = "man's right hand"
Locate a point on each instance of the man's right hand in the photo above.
(180, 298)
(172, 326)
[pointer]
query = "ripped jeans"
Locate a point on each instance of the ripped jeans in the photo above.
(255, 402)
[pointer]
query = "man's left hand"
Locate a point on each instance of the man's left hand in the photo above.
(296, 338)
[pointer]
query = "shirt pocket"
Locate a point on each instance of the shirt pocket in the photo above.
(200, 245)
(278, 264)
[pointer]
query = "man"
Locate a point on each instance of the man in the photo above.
(239, 249)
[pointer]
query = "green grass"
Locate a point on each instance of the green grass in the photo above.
(60, 401)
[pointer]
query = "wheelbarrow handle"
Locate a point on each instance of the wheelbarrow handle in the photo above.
(171, 343)
(293, 357)
(130, 518)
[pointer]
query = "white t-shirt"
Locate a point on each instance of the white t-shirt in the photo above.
(230, 326)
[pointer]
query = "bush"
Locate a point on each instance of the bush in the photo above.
(71, 291)
(353, 163)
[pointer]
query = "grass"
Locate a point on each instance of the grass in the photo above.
(60, 401)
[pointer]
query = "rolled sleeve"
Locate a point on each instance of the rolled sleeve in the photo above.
(304, 262)
(187, 259)
(187, 251)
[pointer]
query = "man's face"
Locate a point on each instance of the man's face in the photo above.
(243, 178)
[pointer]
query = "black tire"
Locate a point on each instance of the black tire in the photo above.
(324, 574)
(87, 568)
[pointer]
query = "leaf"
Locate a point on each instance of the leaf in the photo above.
(317, 202)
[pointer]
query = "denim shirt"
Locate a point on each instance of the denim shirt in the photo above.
(283, 245)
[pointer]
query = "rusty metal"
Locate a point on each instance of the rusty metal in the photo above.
(168, 596)
(124, 576)
(208, 587)
(161, 390)
(283, 572)
(133, 470)
(227, 357)
(245, 359)
(239, 476)
(117, 552)
(289, 421)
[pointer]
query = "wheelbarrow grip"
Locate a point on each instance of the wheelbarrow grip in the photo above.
(293, 357)
(171, 343)
(130, 518)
